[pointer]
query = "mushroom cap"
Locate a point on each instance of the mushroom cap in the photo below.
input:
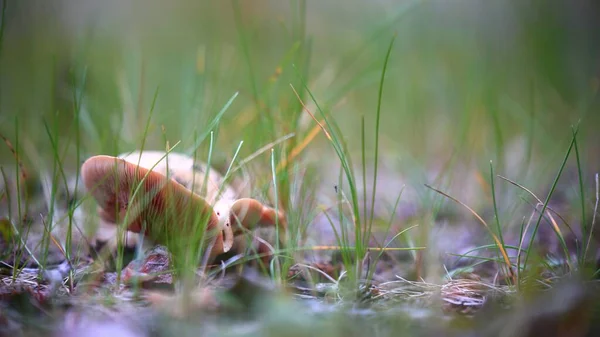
(146, 200)
(186, 171)
(252, 213)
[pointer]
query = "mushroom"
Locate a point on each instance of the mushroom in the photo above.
(162, 196)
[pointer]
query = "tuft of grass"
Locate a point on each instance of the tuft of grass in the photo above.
(362, 229)
(498, 243)
(552, 189)
(346, 166)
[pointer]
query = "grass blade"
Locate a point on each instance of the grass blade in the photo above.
(552, 189)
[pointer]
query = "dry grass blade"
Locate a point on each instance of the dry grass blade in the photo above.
(303, 265)
(466, 296)
(53, 238)
(461, 295)
(311, 114)
(370, 249)
(540, 202)
(24, 174)
(593, 217)
(494, 236)
(262, 150)
(407, 289)
(300, 147)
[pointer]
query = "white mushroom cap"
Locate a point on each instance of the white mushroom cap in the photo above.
(186, 171)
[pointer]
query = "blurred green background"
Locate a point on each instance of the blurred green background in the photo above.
(465, 78)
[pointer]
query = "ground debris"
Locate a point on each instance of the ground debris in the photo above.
(151, 271)
(463, 295)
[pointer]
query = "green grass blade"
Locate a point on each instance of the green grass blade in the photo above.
(552, 189)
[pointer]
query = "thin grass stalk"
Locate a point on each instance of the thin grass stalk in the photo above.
(585, 231)
(552, 189)
(496, 215)
(377, 123)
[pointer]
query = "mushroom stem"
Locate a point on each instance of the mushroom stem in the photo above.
(223, 211)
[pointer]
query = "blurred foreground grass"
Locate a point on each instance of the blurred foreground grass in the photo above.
(467, 82)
